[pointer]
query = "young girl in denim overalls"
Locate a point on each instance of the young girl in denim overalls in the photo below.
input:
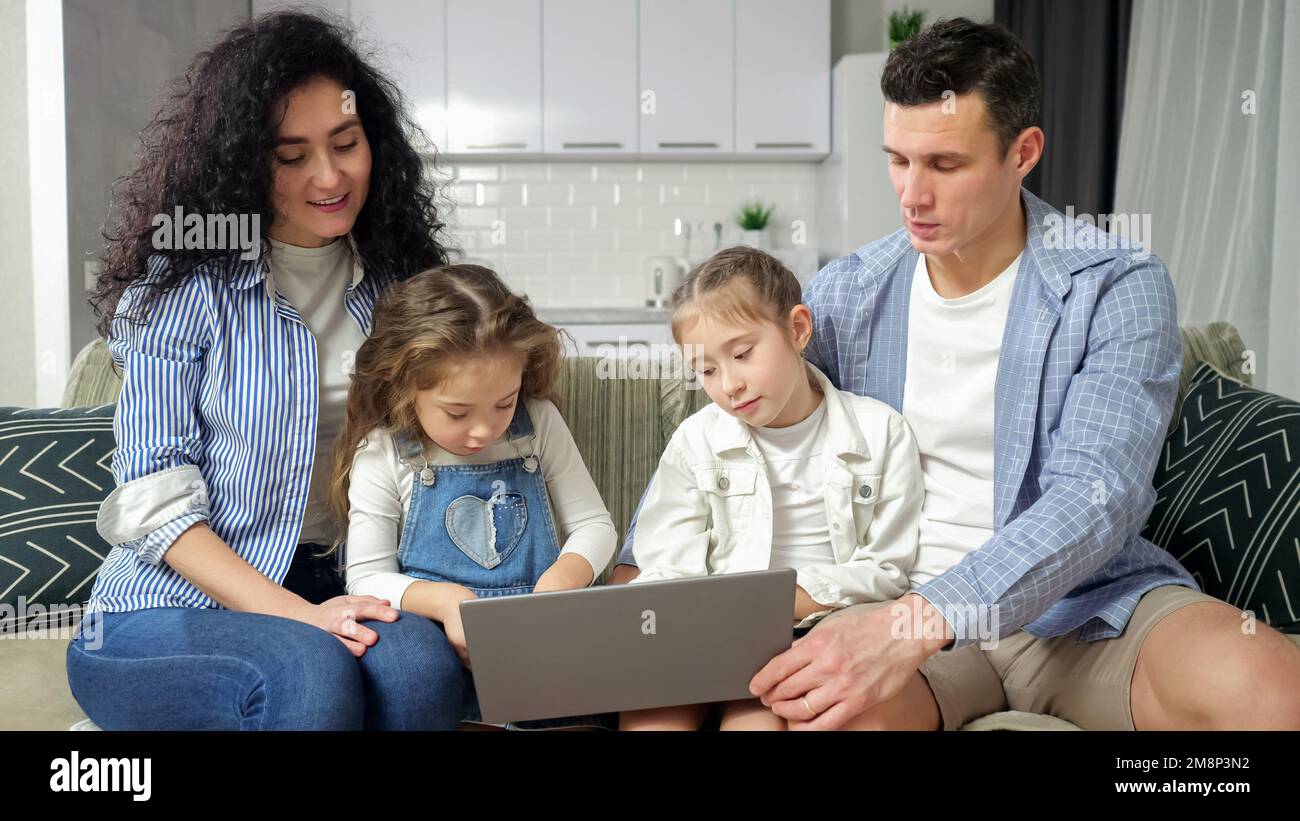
(462, 480)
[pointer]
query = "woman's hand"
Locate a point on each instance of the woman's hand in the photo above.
(341, 617)
(570, 572)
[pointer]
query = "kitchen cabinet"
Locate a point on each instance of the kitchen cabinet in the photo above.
(336, 7)
(408, 38)
(582, 79)
(589, 71)
(494, 83)
(783, 77)
(688, 73)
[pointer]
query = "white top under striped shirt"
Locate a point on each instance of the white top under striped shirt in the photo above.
(219, 398)
(313, 280)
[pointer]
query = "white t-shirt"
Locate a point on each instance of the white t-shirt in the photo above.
(380, 499)
(794, 461)
(953, 347)
(314, 281)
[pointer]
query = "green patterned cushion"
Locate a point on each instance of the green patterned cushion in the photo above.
(54, 472)
(93, 378)
(615, 422)
(1228, 496)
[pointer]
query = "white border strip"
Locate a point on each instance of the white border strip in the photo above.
(47, 148)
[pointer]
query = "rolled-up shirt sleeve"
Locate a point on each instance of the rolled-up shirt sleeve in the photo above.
(161, 490)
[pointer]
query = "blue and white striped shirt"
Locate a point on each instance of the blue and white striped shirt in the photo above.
(216, 422)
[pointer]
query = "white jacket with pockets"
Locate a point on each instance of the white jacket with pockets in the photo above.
(708, 509)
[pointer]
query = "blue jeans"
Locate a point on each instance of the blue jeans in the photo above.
(179, 668)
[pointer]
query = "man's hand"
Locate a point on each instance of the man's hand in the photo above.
(846, 666)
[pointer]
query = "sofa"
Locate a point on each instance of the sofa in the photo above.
(621, 415)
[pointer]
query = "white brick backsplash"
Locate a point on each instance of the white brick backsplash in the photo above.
(593, 193)
(570, 217)
(625, 265)
(524, 264)
(577, 234)
(686, 194)
(622, 216)
(567, 265)
(572, 172)
(652, 241)
(708, 173)
(548, 240)
(549, 193)
(525, 172)
(593, 240)
(476, 173)
(525, 217)
(663, 172)
(618, 172)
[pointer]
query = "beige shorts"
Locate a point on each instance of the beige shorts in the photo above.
(1086, 683)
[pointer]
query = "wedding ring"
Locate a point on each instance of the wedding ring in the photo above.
(811, 712)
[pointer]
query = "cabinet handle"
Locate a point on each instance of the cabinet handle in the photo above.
(688, 145)
(593, 145)
(492, 146)
(783, 145)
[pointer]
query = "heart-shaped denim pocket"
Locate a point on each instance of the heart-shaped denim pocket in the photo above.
(487, 530)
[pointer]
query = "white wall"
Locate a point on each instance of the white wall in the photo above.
(119, 57)
(33, 232)
(862, 26)
(981, 11)
(17, 353)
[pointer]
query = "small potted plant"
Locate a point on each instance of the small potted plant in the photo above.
(753, 220)
(903, 23)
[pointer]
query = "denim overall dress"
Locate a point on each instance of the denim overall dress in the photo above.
(485, 526)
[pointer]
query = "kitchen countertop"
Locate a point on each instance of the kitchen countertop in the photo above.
(603, 316)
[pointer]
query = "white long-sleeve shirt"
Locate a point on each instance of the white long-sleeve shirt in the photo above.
(380, 498)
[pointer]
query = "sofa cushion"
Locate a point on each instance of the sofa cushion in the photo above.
(1228, 496)
(54, 472)
(1218, 344)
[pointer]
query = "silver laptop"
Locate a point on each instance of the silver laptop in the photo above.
(628, 646)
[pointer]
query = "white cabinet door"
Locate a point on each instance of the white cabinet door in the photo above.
(260, 7)
(783, 77)
(590, 76)
(688, 74)
(494, 84)
(409, 39)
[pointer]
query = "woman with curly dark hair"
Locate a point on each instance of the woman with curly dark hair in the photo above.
(279, 192)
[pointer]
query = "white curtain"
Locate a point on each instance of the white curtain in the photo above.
(1208, 149)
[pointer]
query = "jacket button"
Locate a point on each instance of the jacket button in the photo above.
(724, 482)
(865, 491)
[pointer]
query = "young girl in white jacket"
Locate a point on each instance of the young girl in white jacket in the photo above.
(782, 470)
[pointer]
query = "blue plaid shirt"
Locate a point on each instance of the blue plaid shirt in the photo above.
(1086, 383)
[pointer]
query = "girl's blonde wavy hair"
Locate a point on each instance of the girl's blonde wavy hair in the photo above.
(422, 328)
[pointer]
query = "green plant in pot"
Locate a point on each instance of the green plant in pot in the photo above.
(753, 219)
(904, 23)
